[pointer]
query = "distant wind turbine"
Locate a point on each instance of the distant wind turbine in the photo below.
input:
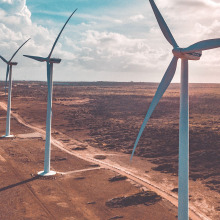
(50, 61)
(9, 72)
(193, 52)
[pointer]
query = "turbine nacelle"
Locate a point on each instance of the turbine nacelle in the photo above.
(54, 60)
(49, 59)
(12, 63)
(179, 53)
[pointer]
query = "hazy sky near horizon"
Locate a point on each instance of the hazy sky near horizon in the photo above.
(107, 40)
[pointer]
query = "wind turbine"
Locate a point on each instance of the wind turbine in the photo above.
(193, 52)
(50, 61)
(9, 72)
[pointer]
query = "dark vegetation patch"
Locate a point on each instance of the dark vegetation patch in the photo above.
(214, 185)
(146, 198)
(100, 157)
(57, 158)
(218, 209)
(65, 140)
(94, 165)
(79, 178)
(165, 168)
(174, 190)
(91, 203)
(116, 217)
(117, 178)
(79, 148)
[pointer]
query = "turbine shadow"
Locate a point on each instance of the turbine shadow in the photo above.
(19, 183)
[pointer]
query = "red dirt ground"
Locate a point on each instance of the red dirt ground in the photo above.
(107, 116)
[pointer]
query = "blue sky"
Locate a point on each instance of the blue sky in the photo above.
(107, 40)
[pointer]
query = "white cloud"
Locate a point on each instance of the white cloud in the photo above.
(13, 6)
(114, 46)
(16, 27)
(211, 3)
(212, 31)
(113, 52)
(136, 18)
(6, 1)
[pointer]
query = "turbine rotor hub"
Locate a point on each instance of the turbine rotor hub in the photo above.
(13, 63)
(177, 52)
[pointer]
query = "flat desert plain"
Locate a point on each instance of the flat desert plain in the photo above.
(94, 127)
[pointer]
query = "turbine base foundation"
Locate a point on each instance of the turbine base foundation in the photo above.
(8, 136)
(50, 173)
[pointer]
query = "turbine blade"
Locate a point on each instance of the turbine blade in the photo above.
(40, 59)
(7, 71)
(59, 35)
(203, 45)
(163, 26)
(4, 59)
(165, 82)
(18, 49)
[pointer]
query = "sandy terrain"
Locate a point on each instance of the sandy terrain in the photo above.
(80, 190)
(103, 119)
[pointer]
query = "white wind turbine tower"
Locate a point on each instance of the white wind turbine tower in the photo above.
(9, 71)
(193, 52)
(50, 61)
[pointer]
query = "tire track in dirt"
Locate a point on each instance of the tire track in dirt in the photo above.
(29, 188)
(79, 171)
(194, 213)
